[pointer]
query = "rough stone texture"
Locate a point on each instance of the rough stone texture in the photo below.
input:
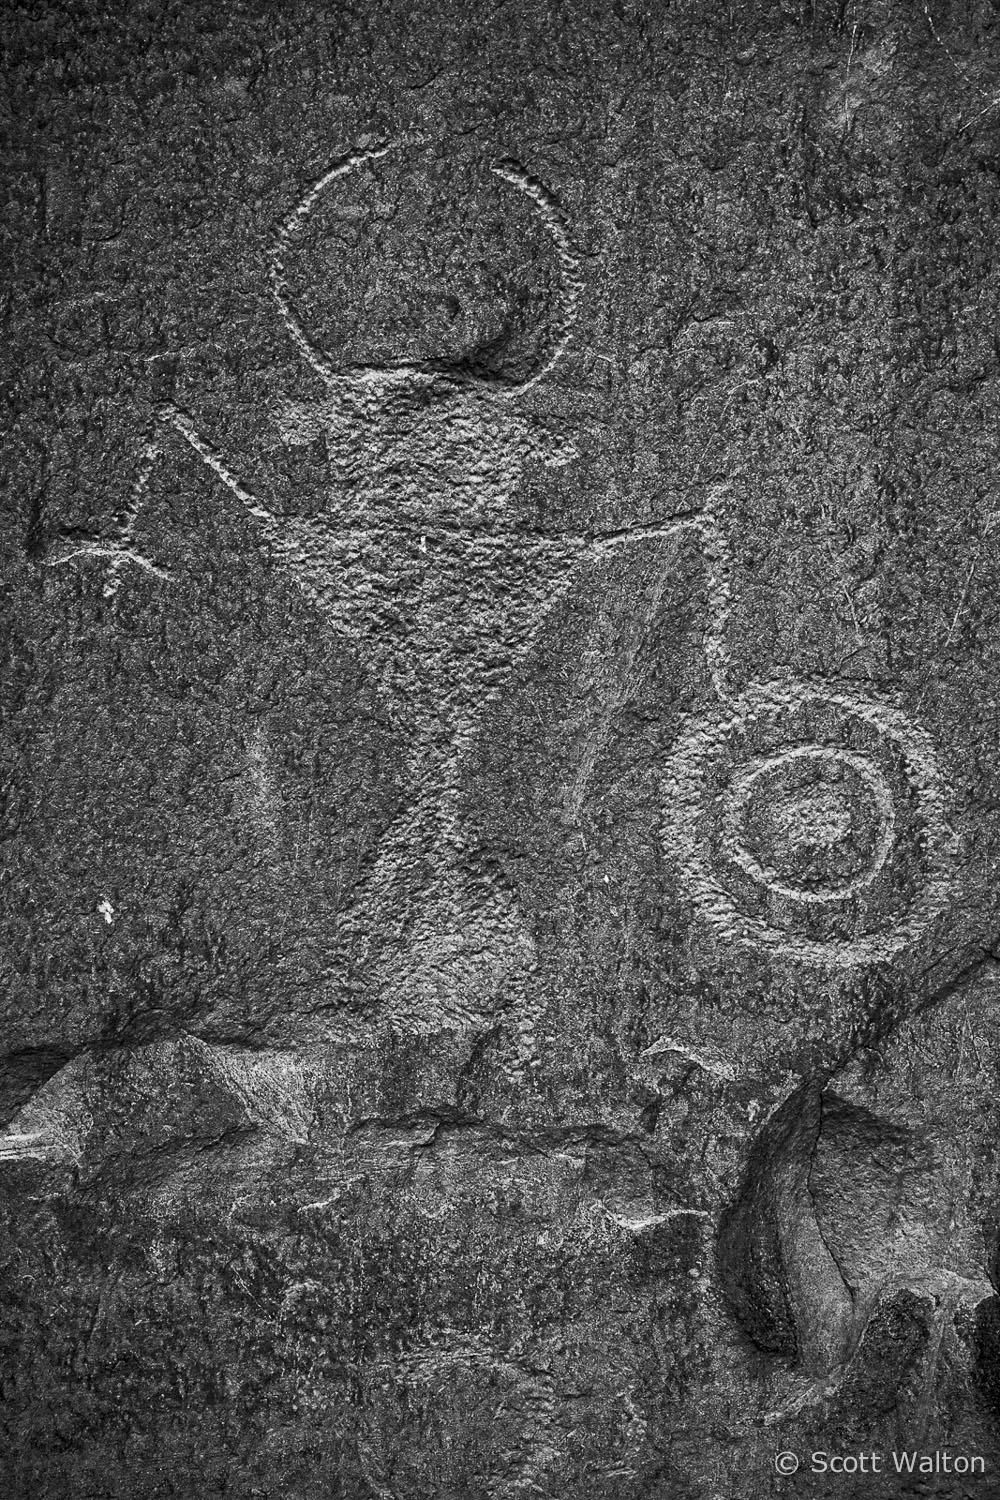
(501, 786)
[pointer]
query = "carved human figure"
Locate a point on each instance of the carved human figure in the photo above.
(423, 561)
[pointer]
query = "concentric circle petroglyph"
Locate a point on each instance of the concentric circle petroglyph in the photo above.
(809, 822)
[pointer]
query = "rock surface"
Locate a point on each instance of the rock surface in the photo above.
(501, 762)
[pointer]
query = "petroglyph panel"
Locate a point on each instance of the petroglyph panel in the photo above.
(500, 771)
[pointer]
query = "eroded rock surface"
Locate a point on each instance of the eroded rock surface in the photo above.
(500, 750)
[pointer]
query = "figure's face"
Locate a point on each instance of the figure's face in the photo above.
(413, 451)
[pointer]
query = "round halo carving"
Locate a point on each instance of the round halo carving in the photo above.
(810, 823)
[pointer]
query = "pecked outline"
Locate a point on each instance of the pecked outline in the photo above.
(508, 170)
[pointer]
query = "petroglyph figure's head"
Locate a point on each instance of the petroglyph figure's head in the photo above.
(425, 290)
(402, 260)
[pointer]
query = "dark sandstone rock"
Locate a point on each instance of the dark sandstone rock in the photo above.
(500, 749)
